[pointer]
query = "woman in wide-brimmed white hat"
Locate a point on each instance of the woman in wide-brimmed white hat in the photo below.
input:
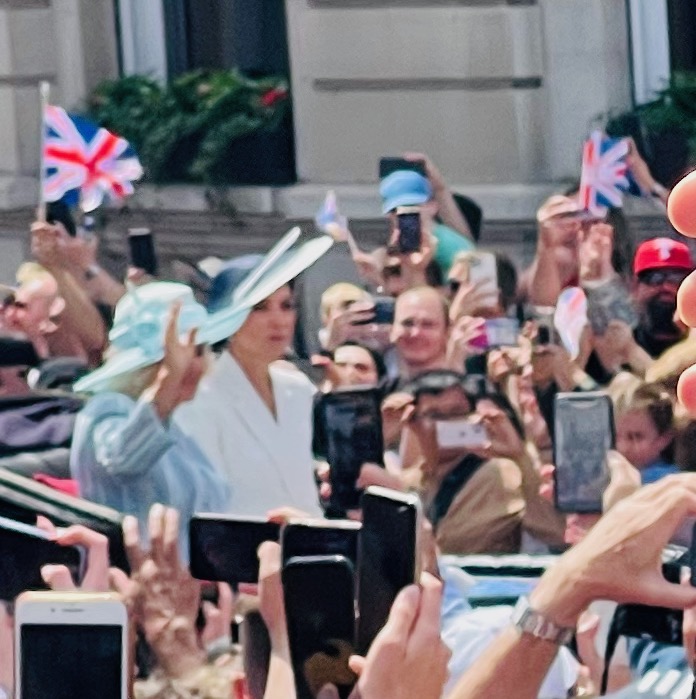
(252, 415)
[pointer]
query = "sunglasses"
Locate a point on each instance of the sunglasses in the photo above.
(657, 277)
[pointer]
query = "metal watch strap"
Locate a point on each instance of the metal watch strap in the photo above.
(532, 622)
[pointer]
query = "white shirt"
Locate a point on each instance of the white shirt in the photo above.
(268, 461)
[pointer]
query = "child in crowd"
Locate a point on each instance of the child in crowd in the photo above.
(644, 420)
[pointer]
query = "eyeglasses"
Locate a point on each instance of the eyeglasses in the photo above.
(657, 277)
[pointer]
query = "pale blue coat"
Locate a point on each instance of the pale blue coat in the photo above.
(124, 457)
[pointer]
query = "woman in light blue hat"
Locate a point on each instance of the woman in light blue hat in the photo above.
(127, 453)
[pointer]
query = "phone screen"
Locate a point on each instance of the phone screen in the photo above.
(304, 539)
(456, 434)
(389, 165)
(65, 661)
(409, 232)
(23, 550)
(352, 425)
(384, 310)
(226, 549)
(387, 560)
(141, 244)
(320, 609)
(583, 433)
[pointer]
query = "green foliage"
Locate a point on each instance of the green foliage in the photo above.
(184, 131)
(674, 109)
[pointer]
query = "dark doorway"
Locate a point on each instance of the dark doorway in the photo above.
(251, 36)
(682, 34)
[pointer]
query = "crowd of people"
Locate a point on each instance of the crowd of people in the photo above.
(149, 398)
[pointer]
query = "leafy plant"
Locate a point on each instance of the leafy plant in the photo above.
(184, 131)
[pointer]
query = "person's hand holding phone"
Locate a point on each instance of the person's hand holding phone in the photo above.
(461, 342)
(96, 548)
(397, 410)
(48, 245)
(349, 323)
(595, 251)
(408, 658)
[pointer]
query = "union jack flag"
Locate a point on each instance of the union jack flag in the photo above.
(79, 155)
(328, 214)
(604, 174)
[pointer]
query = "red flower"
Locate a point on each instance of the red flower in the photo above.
(275, 94)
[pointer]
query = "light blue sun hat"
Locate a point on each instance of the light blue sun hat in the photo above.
(140, 319)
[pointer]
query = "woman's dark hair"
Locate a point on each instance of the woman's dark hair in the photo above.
(377, 358)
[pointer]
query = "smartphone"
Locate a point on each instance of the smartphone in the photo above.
(583, 433)
(410, 234)
(71, 644)
(320, 610)
(388, 557)
(607, 302)
(18, 352)
(383, 312)
(482, 270)
(502, 332)
(389, 165)
(141, 244)
(460, 434)
(320, 537)
(224, 548)
(351, 422)
(23, 550)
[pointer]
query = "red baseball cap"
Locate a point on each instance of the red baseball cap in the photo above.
(658, 253)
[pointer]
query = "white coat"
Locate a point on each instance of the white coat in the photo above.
(267, 461)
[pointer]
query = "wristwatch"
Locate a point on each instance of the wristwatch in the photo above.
(527, 620)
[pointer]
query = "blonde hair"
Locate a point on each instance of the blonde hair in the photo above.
(340, 294)
(629, 393)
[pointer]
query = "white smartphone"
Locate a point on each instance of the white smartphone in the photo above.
(460, 434)
(71, 644)
(484, 272)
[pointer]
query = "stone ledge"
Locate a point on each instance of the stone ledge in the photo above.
(509, 202)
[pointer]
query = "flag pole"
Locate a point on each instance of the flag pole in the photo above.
(44, 97)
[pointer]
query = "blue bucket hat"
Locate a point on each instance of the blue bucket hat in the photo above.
(137, 336)
(404, 188)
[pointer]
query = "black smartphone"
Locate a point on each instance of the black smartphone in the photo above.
(224, 548)
(24, 549)
(141, 244)
(583, 433)
(387, 557)
(320, 610)
(659, 624)
(17, 351)
(410, 235)
(351, 423)
(383, 312)
(389, 165)
(319, 537)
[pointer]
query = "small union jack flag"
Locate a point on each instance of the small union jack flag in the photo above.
(329, 216)
(604, 174)
(78, 154)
